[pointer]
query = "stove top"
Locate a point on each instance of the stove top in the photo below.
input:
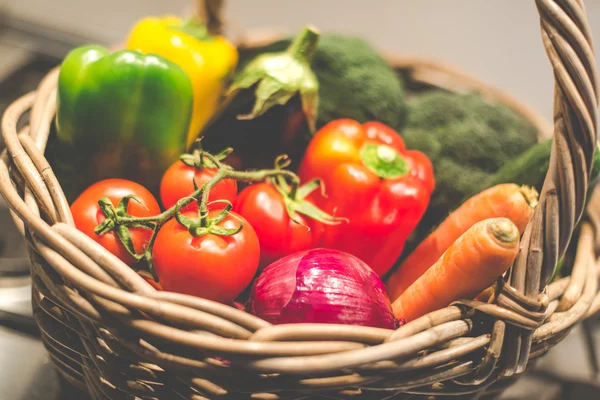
(26, 371)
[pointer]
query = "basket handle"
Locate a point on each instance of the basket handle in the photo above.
(568, 42)
(567, 39)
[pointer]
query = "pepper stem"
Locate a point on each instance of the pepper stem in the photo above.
(384, 161)
(386, 154)
(304, 45)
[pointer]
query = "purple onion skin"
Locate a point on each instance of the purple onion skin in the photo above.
(321, 286)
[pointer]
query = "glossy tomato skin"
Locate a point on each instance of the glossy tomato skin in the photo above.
(213, 267)
(177, 183)
(264, 207)
(88, 215)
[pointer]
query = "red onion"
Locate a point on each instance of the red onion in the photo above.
(321, 286)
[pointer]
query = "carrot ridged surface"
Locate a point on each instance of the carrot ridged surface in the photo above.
(471, 264)
(501, 201)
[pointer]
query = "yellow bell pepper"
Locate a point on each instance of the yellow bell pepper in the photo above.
(207, 59)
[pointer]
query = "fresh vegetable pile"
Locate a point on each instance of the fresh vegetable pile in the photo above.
(468, 140)
(296, 179)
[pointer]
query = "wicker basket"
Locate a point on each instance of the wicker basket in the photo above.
(111, 334)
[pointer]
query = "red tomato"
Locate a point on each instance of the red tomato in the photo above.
(88, 215)
(213, 267)
(264, 207)
(177, 183)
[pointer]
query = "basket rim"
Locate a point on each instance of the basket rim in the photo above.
(275, 334)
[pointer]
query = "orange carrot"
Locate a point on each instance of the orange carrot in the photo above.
(501, 201)
(471, 264)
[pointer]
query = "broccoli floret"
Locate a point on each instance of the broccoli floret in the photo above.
(354, 80)
(467, 139)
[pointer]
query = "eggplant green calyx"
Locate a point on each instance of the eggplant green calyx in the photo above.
(280, 76)
(384, 161)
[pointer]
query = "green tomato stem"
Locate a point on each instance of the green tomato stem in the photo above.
(203, 192)
(215, 160)
(203, 224)
(293, 191)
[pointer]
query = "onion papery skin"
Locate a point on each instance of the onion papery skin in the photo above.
(321, 286)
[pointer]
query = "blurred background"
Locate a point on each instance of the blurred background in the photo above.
(497, 41)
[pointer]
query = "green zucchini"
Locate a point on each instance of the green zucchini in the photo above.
(530, 167)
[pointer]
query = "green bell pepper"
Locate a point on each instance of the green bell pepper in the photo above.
(119, 115)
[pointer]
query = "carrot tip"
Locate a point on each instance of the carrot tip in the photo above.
(531, 195)
(504, 230)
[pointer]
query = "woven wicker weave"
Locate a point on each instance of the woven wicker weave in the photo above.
(112, 334)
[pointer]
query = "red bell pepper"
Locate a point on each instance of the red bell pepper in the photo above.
(370, 179)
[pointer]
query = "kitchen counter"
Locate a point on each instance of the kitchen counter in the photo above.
(27, 372)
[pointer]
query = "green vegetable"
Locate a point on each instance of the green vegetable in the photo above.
(530, 168)
(354, 81)
(277, 77)
(120, 115)
(467, 139)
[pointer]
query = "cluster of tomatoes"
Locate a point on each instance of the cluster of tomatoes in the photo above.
(211, 266)
(374, 184)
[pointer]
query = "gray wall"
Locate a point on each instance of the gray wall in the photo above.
(497, 40)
